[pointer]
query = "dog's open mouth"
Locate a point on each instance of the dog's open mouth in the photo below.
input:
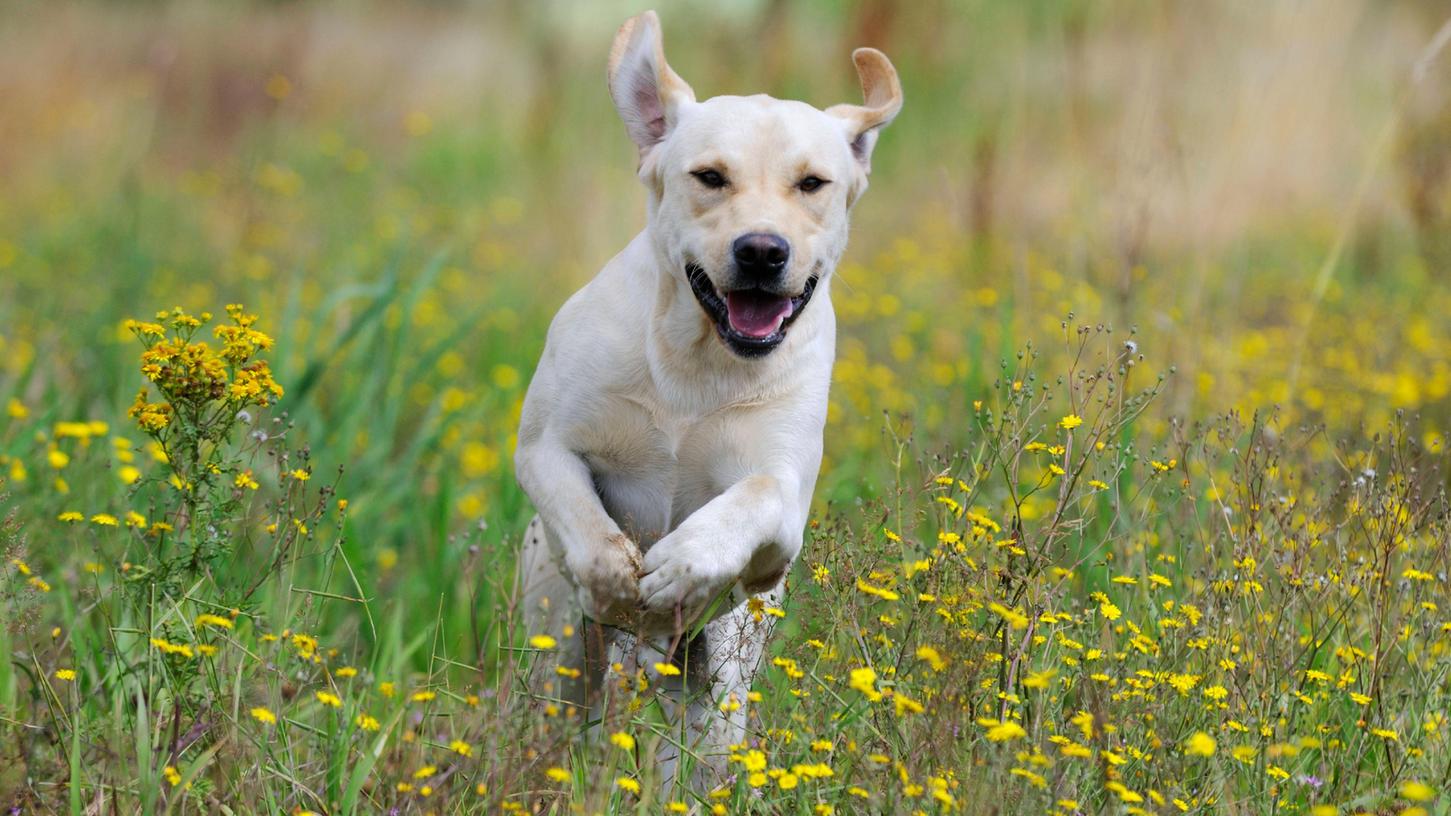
(751, 322)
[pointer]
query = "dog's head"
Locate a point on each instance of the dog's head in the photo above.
(749, 196)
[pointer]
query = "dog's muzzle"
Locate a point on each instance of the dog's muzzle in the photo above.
(753, 321)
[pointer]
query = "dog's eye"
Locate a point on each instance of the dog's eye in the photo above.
(710, 178)
(811, 184)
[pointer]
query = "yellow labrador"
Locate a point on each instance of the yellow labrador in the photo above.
(672, 433)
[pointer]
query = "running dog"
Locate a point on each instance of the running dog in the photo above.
(672, 433)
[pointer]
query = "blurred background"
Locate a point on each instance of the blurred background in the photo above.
(407, 191)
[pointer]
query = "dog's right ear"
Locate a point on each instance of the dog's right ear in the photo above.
(647, 93)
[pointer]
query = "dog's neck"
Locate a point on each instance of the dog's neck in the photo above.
(693, 369)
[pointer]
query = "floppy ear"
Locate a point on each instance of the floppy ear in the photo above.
(882, 92)
(647, 93)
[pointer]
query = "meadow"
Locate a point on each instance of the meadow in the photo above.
(1134, 498)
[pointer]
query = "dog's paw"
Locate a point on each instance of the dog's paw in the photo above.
(608, 577)
(687, 570)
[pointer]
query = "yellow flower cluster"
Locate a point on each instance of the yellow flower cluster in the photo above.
(190, 373)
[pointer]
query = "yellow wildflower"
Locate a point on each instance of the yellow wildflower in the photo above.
(864, 680)
(1417, 791)
(1199, 744)
(1003, 731)
(213, 620)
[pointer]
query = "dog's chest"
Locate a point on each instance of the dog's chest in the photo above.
(653, 467)
(670, 429)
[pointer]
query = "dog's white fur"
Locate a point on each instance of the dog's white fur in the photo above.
(673, 477)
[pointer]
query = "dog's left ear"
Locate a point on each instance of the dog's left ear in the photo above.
(646, 91)
(882, 92)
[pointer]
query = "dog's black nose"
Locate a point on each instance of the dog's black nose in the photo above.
(761, 255)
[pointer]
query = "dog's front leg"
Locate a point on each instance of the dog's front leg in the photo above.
(602, 561)
(750, 533)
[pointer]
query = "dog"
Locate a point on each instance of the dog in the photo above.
(671, 435)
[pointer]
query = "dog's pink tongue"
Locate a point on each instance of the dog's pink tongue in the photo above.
(755, 313)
